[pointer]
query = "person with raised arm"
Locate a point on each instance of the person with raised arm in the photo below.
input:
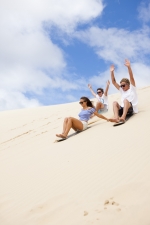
(82, 123)
(102, 98)
(129, 99)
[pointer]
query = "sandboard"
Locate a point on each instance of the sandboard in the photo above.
(71, 135)
(120, 123)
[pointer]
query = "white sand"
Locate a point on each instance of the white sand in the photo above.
(100, 176)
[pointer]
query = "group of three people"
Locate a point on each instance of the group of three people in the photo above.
(128, 105)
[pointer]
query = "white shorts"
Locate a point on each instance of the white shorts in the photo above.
(103, 110)
(85, 125)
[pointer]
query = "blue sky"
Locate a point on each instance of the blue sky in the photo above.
(50, 51)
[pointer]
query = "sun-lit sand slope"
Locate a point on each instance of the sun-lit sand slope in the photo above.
(100, 176)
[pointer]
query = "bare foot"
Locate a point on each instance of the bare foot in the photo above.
(122, 119)
(114, 120)
(60, 135)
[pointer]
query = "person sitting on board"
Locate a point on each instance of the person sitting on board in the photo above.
(129, 100)
(82, 123)
(102, 97)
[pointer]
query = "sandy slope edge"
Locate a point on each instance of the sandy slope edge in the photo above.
(100, 176)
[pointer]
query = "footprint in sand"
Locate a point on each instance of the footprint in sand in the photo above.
(38, 209)
(111, 202)
(109, 205)
(85, 213)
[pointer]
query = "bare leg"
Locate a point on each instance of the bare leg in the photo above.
(99, 105)
(127, 105)
(69, 123)
(65, 124)
(64, 128)
(116, 108)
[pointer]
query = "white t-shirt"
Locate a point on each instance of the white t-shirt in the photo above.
(131, 96)
(103, 99)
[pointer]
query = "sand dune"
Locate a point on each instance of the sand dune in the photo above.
(100, 176)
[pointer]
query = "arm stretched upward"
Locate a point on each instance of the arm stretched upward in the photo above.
(112, 68)
(107, 87)
(128, 65)
(93, 93)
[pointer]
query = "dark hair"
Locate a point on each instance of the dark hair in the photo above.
(125, 80)
(89, 103)
(101, 89)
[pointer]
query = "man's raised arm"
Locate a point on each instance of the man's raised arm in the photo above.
(107, 87)
(112, 68)
(128, 65)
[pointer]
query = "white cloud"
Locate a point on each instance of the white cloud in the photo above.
(114, 45)
(71, 98)
(11, 99)
(62, 13)
(144, 12)
(29, 60)
(142, 74)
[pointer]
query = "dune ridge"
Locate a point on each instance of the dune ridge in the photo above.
(100, 176)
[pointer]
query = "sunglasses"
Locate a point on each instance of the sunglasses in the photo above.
(99, 92)
(81, 102)
(123, 85)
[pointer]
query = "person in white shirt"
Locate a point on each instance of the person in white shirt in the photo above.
(129, 100)
(102, 97)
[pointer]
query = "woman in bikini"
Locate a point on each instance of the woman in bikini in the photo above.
(82, 123)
